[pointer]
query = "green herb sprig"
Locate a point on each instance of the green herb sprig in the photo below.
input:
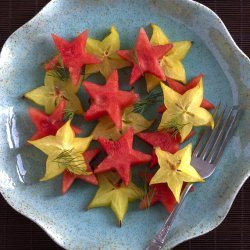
(148, 192)
(72, 161)
(69, 114)
(149, 195)
(173, 126)
(154, 97)
(61, 73)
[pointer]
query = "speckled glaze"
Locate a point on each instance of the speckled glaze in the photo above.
(227, 78)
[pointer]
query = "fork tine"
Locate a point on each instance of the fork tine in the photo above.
(213, 135)
(216, 110)
(216, 154)
(220, 136)
(199, 145)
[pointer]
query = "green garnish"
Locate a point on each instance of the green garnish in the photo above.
(72, 161)
(148, 194)
(69, 114)
(173, 126)
(154, 97)
(60, 72)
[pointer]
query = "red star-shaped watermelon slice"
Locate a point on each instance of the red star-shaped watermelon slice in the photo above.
(158, 193)
(50, 65)
(108, 100)
(49, 124)
(165, 140)
(180, 88)
(121, 156)
(73, 54)
(69, 178)
(145, 57)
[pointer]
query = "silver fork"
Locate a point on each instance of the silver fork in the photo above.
(206, 155)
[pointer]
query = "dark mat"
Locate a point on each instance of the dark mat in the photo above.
(17, 232)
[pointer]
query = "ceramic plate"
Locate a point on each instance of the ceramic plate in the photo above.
(227, 78)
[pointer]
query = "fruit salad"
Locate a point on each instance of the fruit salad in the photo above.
(120, 118)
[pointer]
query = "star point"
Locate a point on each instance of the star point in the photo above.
(185, 110)
(165, 140)
(121, 156)
(108, 100)
(69, 178)
(112, 192)
(73, 54)
(158, 193)
(171, 62)
(175, 169)
(49, 124)
(105, 51)
(145, 57)
(64, 151)
(54, 91)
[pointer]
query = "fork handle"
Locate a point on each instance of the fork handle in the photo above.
(158, 241)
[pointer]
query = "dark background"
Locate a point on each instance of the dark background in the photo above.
(17, 232)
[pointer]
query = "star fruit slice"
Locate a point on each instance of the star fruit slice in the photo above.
(145, 57)
(184, 110)
(171, 62)
(105, 51)
(106, 128)
(158, 193)
(54, 91)
(113, 192)
(175, 169)
(69, 177)
(64, 151)
(181, 89)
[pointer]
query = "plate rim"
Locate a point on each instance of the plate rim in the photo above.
(226, 34)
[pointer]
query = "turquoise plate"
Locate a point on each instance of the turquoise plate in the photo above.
(227, 78)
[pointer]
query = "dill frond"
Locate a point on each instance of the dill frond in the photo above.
(173, 126)
(61, 73)
(150, 196)
(69, 114)
(154, 97)
(72, 161)
(148, 191)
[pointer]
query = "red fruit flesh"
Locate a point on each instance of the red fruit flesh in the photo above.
(145, 57)
(69, 178)
(158, 193)
(52, 63)
(121, 156)
(181, 89)
(73, 54)
(166, 141)
(108, 100)
(48, 124)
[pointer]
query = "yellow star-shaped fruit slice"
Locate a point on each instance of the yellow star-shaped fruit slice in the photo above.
(56, 88)
(175, 169)
(184, 111)
(171, 63)
(105, 51)
(64, 151)
(106, 128)
(112, 192)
